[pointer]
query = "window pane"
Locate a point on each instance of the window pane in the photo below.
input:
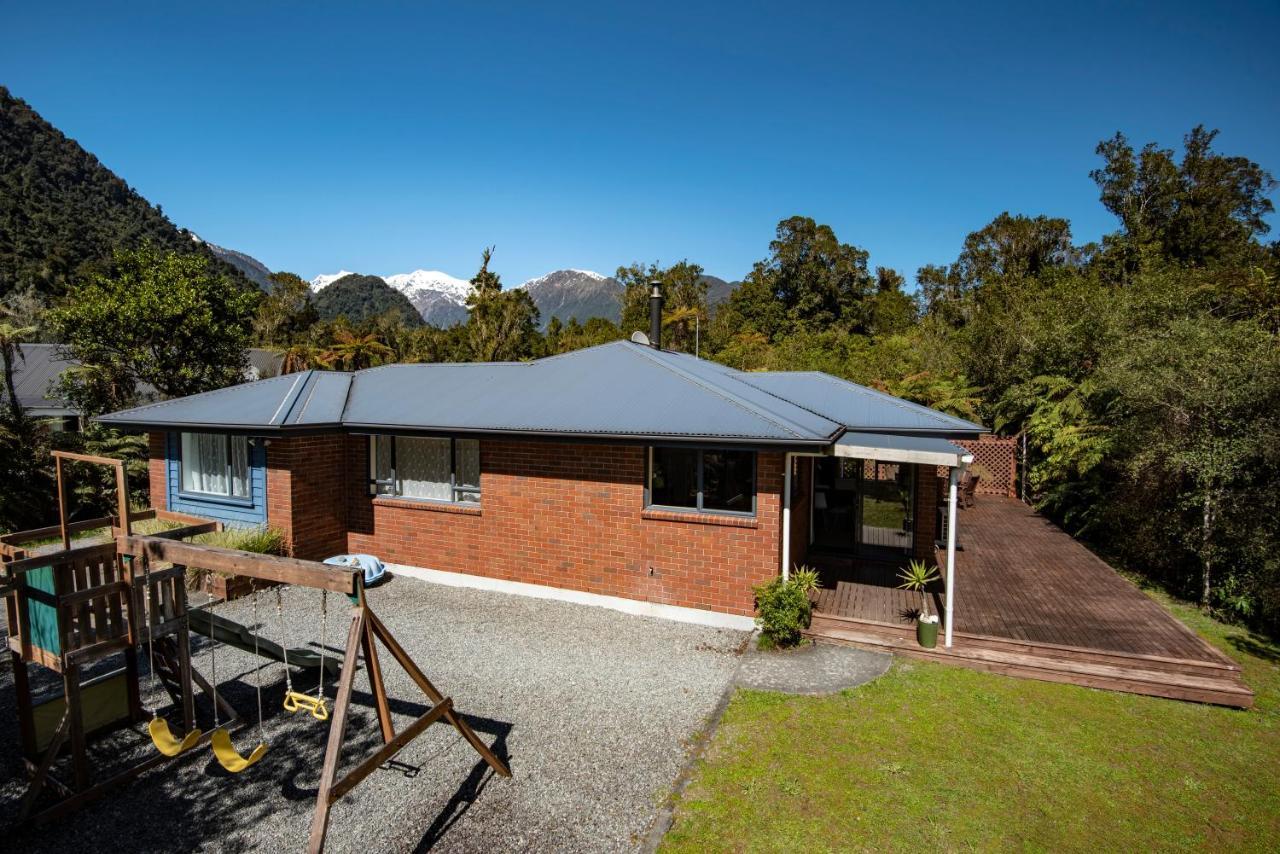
(728, 480)
(204, 463)
(240, 466)
(380, 448)
(466, 471)
(674, 480)
(422, 467)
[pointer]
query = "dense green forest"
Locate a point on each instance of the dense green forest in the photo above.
(359, 298)
(1143, 370)
(63, 214)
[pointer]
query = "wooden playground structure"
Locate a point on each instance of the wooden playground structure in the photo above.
(77, 605)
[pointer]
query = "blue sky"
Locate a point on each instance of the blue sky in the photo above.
(386, 137)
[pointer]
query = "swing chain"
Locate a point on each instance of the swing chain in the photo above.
(146, 613)
(257, 628)
(284, 640)
(324, 639)
(213, 661)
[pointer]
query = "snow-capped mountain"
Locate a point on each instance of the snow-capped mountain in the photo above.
(441, 299)
(324, 280)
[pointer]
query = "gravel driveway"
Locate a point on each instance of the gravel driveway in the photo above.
(594, 711)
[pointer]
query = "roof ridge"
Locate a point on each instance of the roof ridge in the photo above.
(764, 414)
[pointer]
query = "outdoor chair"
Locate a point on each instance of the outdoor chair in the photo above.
(968, 489)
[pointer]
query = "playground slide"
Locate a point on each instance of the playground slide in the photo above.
(232, 633)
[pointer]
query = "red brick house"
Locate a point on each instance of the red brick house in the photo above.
(623, 475)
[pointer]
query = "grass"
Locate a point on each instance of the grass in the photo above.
(934, 756)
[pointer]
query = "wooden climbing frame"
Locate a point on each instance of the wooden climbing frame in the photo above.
(365, 633)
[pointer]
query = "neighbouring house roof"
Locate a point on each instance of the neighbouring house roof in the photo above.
(38, 368)
(621, 390)
(35, 375)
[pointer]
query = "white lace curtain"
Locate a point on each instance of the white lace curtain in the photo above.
(215, 464)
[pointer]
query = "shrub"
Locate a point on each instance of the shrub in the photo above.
(783, 609)
(262, 540)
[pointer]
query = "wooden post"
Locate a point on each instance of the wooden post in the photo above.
(337, 726)
(122, 497)
(376, 685)
(79, 760)
(62, 503)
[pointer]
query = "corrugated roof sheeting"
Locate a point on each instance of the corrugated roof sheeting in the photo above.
(614, 390)
(856, 407)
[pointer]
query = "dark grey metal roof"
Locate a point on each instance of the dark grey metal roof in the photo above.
(35, 375)
(310, 399)
(620, 390)
(857, 407)
(39, 367)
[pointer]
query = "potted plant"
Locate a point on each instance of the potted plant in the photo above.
(918, 576)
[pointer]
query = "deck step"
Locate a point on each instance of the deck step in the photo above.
(1217, 667)
(1225, 688)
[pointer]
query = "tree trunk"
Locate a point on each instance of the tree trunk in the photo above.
(1206, 557)
(8, 353)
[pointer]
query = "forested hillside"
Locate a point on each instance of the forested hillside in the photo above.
(360, 298)
(62, 211)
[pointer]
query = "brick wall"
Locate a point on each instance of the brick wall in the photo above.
(306, 493)
(926, 522)
(156, 469)
(572, 516)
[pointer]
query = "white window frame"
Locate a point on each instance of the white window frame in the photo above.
(229, 495)
(457, 491)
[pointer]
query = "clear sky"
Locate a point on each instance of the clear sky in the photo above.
(382, 138)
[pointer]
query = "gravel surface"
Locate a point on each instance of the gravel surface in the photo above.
(594, 711)
(810, 669)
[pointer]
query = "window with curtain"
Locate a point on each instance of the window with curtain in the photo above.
(714, 481)
(429, 469)
(215, 464)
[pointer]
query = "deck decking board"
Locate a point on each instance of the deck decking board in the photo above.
(1031, 601)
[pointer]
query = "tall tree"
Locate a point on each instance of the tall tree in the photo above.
(286, 312)
(503, 325)
(810, 282)
(1197, 402)
(1207, 208)
(684, 292)
(166, 320)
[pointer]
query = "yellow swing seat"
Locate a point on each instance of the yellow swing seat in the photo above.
(295, 701)
(166, 742)
(226, 753)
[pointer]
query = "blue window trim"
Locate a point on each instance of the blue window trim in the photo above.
(699, 510)
(217, 497)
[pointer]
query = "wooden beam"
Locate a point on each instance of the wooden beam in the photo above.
(97, 550)
(285, 570)
(42, 770)
(435, 696)
(86, 458)
(390, 749)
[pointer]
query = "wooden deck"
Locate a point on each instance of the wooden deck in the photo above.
(1031, 601)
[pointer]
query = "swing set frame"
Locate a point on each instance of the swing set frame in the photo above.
(118, 598)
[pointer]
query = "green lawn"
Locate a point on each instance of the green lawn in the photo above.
(936, 757)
